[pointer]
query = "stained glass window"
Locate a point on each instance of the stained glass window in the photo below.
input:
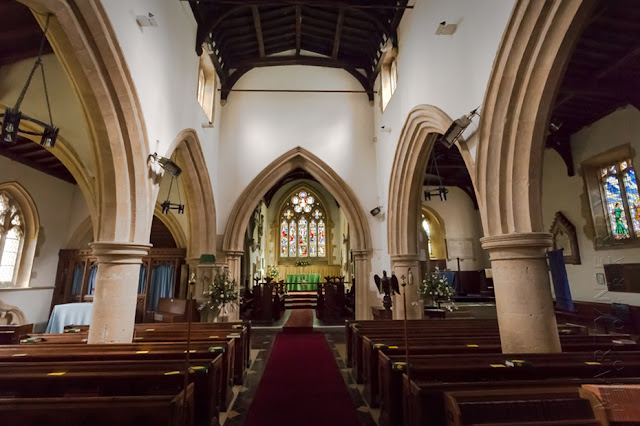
(11, 239)
(284, 239)
(292, 239)
(303, 238)
(313, 239)
(322, 250)
(301, 235)
(622, 203)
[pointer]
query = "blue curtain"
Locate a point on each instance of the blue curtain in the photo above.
(142, 281)
(560, 280)
(93, 271)
(162, 277)
(76, 284)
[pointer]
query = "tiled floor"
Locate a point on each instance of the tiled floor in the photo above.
(262, 341)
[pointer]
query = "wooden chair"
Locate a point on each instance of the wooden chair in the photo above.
(173, 310)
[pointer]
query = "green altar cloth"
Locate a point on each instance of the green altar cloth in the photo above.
(302, 282)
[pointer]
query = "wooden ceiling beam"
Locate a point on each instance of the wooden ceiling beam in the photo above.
(34, 165)
(298, 28)
(336, 40)
(258, 26)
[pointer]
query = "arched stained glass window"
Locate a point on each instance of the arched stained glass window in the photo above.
(302, 231)
(11, 239)
(620, 189)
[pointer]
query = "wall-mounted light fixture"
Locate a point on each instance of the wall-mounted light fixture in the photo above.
(12, 117)
(167, 165)
(457, 128)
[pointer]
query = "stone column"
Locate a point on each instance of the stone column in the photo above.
(234, 260)
(362, 264)
(401, 265)
(523, 293)
(116, 292)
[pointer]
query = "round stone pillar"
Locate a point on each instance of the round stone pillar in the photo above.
(234, 259)
(116, 291)
(401, 265)
(523, 292)
(362, 265)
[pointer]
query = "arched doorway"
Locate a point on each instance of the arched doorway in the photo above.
(299, 158)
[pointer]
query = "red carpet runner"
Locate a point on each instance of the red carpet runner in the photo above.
(300, 319)
(301, 385)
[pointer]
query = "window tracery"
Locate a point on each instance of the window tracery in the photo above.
(302, 227)
(12, 233)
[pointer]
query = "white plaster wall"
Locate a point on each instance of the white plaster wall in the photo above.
(568, 195)
(65, 107)
(449, 72)
(164, 68)
(259, 127)
(54, 200)
(461, 220)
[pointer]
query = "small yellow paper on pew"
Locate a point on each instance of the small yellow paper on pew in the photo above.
(138, 338)
(142, 352)
(472, 346)
(393, 347)
(191, 351)
(517, 360)
(213, 337)
(19, 355)
(237, 326)
(592, 363)
(498, 365)
(171, 373)
(150, 329)
(59, 373)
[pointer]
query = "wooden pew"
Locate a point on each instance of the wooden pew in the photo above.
(11, 334)
(126, 351)
(113, 378)
(474, 369)
(395, 347)
(169, 410)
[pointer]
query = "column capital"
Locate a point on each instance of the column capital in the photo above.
(406, 259)
(117, 252)
(362, 254)
(234, 253)
(526, 245)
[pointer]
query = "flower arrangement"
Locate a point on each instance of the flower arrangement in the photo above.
(272, 271)
(436, 289)
(222, 292)
(302, 263)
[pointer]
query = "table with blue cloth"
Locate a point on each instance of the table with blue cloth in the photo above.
(302, 282)
(69, 314)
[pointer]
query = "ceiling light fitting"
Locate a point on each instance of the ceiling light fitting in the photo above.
(457, 128)
(441, 191)
(12, 117)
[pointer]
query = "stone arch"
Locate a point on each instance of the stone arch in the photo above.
(524, 82)
(438, 231)
(103, 84)
(32, 228)
(199, 192)
(172, 224)
(83, 234)
(299, 158)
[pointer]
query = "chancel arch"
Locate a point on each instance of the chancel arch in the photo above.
(299, 158)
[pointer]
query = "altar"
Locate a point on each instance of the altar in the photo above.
(302, 282)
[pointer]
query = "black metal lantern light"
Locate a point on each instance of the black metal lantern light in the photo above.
(12, 117)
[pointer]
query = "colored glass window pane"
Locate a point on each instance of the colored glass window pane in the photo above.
(10, 254)
(284, 239)
(292, 239)
(633, 199)
(303, 237)
(313, 239)
(615, 208)
(322, 251)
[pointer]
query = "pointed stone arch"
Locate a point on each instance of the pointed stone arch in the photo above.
(195, 177)
(299, 158)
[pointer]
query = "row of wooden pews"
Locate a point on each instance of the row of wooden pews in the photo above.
(458, 375)
(133, 383)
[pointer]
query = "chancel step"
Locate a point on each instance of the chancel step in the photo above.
(301, 300)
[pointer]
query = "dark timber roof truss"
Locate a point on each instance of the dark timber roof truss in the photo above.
(347, 34)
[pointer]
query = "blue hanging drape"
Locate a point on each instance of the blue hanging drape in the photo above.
(142, 281)
(162, 277)
(93, 271)
(76, 284)
(560, 280)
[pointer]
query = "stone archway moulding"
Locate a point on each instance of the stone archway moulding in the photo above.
(201, 212)
(525, 78)
(31, 225)
(299, 158)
